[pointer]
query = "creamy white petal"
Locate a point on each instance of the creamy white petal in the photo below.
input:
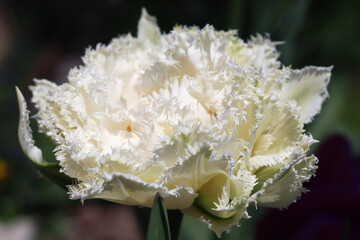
(131, 190)
(259, 51)
(289, 188)
(197, 169)
(147, 27)
(308, 88)
(276, 137)
(25, 134)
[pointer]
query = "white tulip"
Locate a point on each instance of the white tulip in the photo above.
(211, 122)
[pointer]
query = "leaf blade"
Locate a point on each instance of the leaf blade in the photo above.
(158, 228)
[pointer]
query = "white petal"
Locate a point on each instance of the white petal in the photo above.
(131, 190)
(276, 137)
(288, 188)
(308, 87)
(216, 224)
(147, 27)
(25, 134)
(259, 51)
(196, 170)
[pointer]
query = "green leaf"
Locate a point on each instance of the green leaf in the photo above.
(158, 228)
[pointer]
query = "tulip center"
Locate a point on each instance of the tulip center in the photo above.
(124, 134)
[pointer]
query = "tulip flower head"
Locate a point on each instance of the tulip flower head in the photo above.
(211, 122)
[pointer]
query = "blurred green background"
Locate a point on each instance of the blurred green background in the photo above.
(44, 39)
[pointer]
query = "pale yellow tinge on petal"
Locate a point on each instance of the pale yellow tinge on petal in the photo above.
(308, 88)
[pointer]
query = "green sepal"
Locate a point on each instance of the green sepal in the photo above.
(52, 172)
(158, 228)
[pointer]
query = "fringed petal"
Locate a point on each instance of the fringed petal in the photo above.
(147, 28)
(308, 88)
(25, 134)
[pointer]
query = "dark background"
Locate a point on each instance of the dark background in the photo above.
(44, 39)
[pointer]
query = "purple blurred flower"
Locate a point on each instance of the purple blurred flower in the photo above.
(331, 210)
